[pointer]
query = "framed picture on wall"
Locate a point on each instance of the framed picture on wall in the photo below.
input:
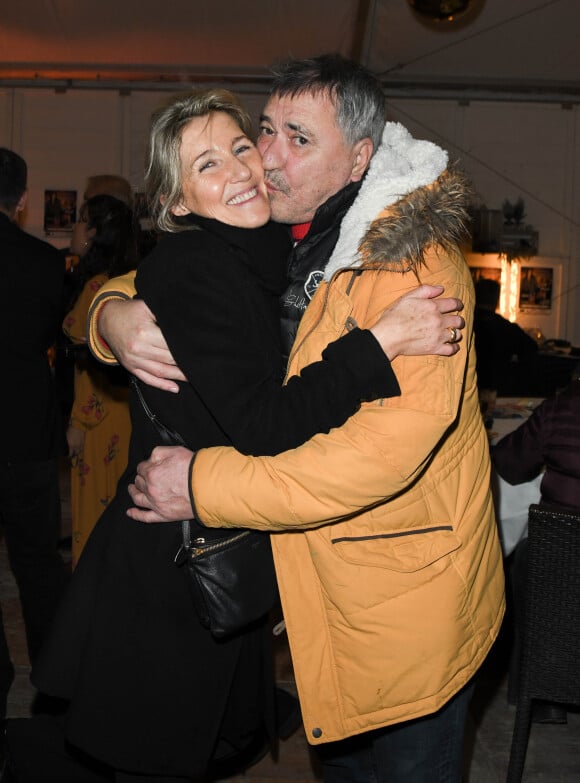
(536, 288)
(60, 210)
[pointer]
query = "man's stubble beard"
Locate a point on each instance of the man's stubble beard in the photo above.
(280, 202)
(277, 181)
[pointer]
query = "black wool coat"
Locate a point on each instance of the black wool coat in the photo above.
(151, 691)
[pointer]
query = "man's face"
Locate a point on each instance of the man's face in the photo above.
(305, 155)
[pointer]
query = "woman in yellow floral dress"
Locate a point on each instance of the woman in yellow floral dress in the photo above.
(99, 426)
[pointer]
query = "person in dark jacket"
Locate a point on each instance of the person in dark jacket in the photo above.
(505, 353)
(31, 277)
(549, 442)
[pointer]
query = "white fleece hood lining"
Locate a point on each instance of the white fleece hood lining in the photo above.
(400, 165)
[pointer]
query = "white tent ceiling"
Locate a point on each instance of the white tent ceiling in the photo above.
(503, 47)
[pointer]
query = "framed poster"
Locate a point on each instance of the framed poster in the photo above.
(536, 288)
(60, 211)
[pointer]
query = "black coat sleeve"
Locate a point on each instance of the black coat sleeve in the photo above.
(224, 335)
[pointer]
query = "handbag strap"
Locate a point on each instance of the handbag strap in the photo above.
(169, 438)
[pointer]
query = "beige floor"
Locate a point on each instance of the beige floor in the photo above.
(553, 754)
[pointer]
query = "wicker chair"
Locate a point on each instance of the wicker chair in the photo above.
(550, 656)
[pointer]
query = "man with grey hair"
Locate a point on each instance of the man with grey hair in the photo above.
(391, 610)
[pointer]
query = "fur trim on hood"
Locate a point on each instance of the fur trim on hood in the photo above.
(425, 204)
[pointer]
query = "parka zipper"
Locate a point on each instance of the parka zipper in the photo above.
(198, 547)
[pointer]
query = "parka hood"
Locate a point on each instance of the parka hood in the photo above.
(409, 200)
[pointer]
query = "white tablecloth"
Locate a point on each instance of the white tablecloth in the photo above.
(511, 509)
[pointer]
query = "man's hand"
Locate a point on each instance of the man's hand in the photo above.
(161, 488)
(421, 322)
(130, 330)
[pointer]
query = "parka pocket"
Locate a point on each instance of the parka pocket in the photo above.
(404, 551)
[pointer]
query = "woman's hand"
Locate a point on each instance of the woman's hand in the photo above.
(130, 330)
(421, 322)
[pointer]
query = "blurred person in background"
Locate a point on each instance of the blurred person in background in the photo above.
(99, 426)
(31, 281)
(109, 185)
(547, 442)
(505, 353)
(64, 358)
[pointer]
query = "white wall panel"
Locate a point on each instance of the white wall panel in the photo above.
(65, 137)
(139, 107)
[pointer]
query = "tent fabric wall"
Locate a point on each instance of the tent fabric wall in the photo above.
(526, 42)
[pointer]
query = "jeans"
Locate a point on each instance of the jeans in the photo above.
(30, 520)
(424, 750)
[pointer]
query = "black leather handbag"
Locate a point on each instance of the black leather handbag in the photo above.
(232, 576)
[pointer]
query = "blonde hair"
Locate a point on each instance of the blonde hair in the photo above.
(163, 176)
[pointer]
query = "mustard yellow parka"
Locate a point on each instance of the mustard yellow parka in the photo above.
(384, 536)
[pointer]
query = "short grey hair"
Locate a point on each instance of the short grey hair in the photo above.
(356, 93)
(163, 176)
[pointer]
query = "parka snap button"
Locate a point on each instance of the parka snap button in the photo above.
(316, 733)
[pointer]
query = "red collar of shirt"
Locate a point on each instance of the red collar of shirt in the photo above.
(300, 230)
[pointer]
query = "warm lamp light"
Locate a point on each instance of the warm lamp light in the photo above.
(503, 284)
(513, 290)
(510, 284)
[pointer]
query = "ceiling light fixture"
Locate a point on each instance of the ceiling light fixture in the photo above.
(445, 13)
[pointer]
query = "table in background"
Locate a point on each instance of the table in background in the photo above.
(512, 502)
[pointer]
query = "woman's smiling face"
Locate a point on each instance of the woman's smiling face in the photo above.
(221, 173)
